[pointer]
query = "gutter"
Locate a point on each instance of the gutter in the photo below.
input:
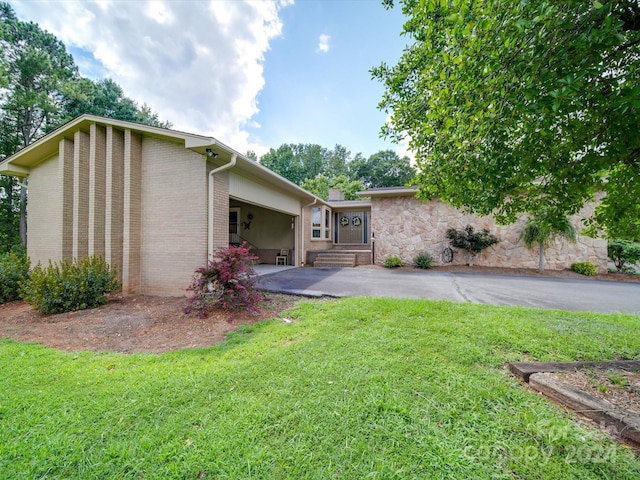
(219, 169)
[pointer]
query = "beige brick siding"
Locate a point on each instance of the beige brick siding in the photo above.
(132, 222)
(114, 197)
(174, 215)
(81, 195)
(221, 210)
(65, 182)
(44, 222)
(97, 190)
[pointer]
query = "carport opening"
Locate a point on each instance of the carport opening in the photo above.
(268, 232)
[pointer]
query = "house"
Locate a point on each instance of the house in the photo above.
(156, 203)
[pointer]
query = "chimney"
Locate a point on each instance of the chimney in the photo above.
(335, 195)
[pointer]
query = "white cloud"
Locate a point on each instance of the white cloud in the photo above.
(198, 65)
(323, 43)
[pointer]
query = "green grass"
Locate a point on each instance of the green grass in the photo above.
(356, 388)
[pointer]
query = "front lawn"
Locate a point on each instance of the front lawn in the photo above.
(354, 388)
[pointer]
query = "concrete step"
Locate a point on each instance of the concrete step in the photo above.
(335, 260)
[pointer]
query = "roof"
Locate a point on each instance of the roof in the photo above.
(20, 163)
(389, 192)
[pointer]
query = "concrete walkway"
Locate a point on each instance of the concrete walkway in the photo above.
(496, 289)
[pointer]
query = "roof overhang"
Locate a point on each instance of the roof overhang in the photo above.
(20, 163)
(390, 192)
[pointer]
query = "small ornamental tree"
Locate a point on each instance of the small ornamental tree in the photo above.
(623, 253)
(471, 241)
(225, 282)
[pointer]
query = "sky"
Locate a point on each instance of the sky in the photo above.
(252, 74)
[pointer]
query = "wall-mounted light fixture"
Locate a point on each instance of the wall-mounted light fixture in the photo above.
(211, 153)
(293, 223)
(247, 224)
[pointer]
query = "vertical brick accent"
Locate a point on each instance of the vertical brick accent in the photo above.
(114, 198)
(80, 194)
(131, 262)
(97, 190)
(65, 179)
(221, 210)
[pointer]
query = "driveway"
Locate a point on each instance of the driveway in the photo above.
(496, 289)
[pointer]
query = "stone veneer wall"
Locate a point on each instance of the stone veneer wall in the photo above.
(405, 226)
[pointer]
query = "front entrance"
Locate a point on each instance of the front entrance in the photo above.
(352, 227)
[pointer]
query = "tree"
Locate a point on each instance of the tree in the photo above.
(41, 88)
(510, 106)
(320, 186)
(539, 231)
(623, 252)
(471, 241)
(383, 169)
(37, 70)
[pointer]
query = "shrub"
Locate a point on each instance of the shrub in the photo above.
(584, 268)
(225, 282)
(14, 270)
(423, 260)
(66, 287)
(623, 253)
(393, 262)
(471, 241)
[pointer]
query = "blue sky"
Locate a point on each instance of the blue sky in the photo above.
(253, 74)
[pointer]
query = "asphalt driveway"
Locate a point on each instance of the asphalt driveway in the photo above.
(541, 292)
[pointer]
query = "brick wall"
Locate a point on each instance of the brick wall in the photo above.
(44, 222)
(174, 216)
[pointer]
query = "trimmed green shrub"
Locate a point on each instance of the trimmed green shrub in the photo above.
(14, 270)
(393, 262)
(423, 260)
(225, 282)
(66, 287)
(584, 268)
(623, 253)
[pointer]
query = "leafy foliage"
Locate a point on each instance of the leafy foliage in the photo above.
(14, 271)
(423, 260)
(472, 241)
(584, 268)
(540, 100)
(317, 169)
(65, 287)
(393, 262)
(541, 232)
(320, 186)
(225, 282)
(623, 253)
(41, 88)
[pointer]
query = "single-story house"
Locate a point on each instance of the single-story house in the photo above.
(156, 203)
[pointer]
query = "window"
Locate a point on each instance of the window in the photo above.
(320, 223)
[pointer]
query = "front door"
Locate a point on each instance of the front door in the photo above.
(352, 227)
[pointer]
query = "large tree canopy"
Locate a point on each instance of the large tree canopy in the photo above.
(40, 88)
(522, 106)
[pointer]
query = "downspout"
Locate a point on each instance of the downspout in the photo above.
(219, 169)
(304, 251)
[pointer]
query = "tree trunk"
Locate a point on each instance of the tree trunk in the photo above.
(541, 258)
(471, 259)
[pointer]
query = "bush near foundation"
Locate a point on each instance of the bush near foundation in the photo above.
(66, 287)
(225, 282)
(423, 260)
(472, 241)
(393, 262)
(14, 270)
(623, 253)
(584, 268)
